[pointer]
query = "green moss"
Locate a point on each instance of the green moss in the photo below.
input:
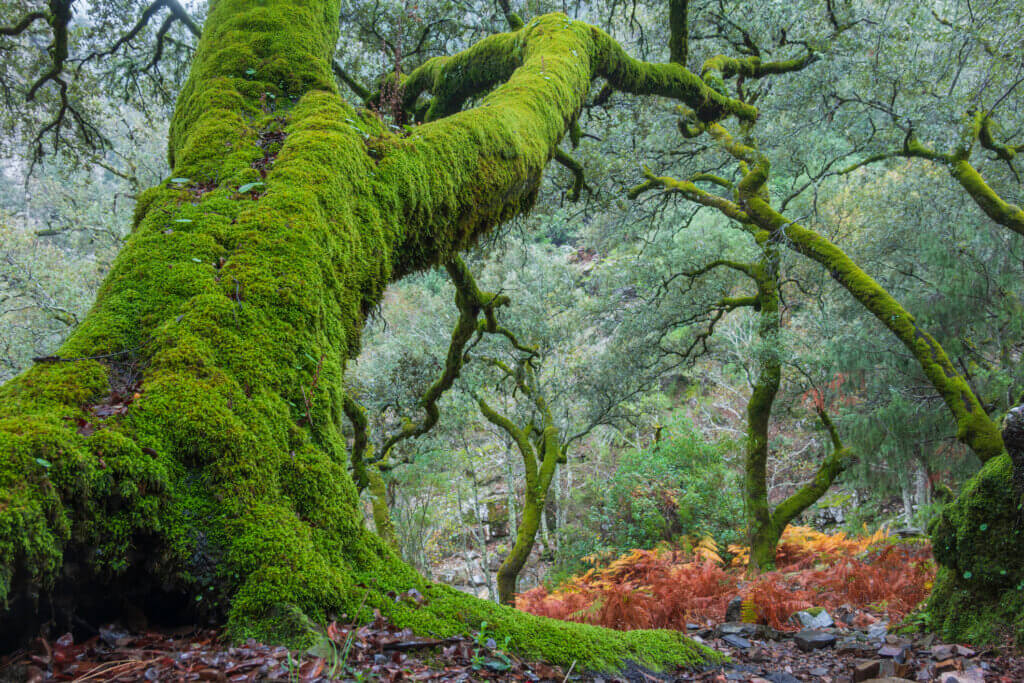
(231, 316)
(592, 648)
(979, 592)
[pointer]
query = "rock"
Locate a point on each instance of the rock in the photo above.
(782, 677)
(963, 677)
(758, 654)
(497, 518)
(909, 532)
(946, 665)
(692, 627)
(855, 646)
(736, 641)
(814, 619)
(866, 670)
(899, 653)
(810, 639)
(734, 610)
(963, 651)
(925, 642)
(942, 652)
(878, 631)
(818, 671)
(478, 580)
(737, 628)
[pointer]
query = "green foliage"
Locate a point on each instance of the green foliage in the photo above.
(680, 487)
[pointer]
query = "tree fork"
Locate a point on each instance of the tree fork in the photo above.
(207, 465)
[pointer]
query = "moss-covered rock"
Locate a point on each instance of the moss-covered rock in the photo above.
(979, 543)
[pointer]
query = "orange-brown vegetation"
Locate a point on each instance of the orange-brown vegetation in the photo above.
(668, 588)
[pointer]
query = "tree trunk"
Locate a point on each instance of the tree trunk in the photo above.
(765, 525)
(184, 448)
(979, 589)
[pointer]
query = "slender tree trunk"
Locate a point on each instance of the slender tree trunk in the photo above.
(526, 534)
(760, 525)
(764, 524)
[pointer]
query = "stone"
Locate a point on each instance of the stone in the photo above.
(734, 610)
(963, 677)
(878, 631)
(736, 641)
(478, 580)
(782, 677)
(963, 651)
(758, 654)
(738, 628)
(810, 639)
(866, 670)
(942, 652)
(497, 518)
(818, 671)
(856, 646)
(810, 619)
(925, 642)
(899, 653)
(946, 665)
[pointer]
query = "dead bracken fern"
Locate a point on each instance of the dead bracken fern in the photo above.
(668, 588)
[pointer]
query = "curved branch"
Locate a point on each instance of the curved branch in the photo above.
(361, 91)
(59, 18)
(23, 24)
(836, 462)
(576, 168)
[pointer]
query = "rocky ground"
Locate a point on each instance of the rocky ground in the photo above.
(855, 647)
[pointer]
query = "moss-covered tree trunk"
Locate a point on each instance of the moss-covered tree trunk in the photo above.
(185, 443)
(541, 456)
(979, 590)
(765, 524)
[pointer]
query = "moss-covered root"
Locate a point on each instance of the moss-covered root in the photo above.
(979, 543)
(441, 611)
(591, 648)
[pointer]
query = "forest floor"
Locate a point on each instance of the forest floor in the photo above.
(377, 652)
(831, 612)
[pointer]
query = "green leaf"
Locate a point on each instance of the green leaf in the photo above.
(250, 72)
(197, 260)
(182, 220)
(180, 180)
(42, 463)
(248, 187)
(968, 575)
(983, 527)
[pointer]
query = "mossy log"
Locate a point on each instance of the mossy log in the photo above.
(183, 449)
